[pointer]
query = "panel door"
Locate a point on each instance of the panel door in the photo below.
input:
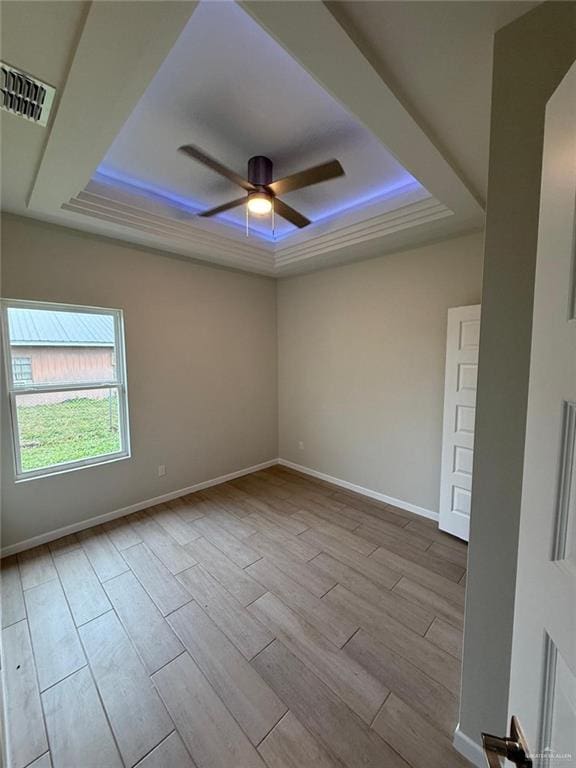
(459, 417)
(543, 674)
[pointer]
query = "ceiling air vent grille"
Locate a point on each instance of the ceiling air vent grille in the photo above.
(24, 95)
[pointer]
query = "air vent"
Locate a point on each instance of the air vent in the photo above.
(24, 95)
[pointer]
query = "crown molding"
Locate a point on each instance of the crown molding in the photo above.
(170, 226)
(406, 216)
(195, 246)
(125, 197)
(174, 227)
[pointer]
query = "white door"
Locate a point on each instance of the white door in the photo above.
(459, 416)
(543, 674)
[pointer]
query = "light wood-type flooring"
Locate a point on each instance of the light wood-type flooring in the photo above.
(272, 621)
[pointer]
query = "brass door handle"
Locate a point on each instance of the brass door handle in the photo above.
(513, 747)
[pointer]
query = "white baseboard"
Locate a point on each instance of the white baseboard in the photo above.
(469, 748)
(406, 505)
(44, 538)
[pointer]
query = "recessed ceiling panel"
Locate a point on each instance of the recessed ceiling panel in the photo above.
(229, 88)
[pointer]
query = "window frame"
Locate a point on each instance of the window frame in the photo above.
(120, 384)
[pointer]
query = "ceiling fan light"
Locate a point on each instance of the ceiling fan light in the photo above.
(259, 204)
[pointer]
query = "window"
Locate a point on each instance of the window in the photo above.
(22, 370)
(66, 373)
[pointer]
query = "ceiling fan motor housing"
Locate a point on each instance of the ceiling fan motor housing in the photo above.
(260, 171)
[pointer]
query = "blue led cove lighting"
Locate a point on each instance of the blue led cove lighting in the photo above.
(109, 176)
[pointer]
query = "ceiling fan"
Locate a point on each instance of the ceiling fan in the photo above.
(262, 192)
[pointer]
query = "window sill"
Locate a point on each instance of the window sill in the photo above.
(42, 474)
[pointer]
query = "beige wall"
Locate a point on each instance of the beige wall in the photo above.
(361, 366)
(531, 56)
(201, 351)
(360, 376)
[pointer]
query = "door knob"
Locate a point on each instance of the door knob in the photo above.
(513, 747)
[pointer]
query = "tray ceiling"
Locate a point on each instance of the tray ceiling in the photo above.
(282, 79)
(229, 88)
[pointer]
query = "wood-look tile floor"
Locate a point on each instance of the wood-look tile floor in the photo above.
(273, 621)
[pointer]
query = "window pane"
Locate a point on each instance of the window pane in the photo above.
(22, 370)
(56, 347)
(60, 427)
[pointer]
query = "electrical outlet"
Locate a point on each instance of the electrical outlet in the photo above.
(161, 470)
(300, 446)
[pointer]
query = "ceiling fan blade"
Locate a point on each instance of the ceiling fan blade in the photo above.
(202, 157)
(314, 175)
(290, 214)
(224, 207)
